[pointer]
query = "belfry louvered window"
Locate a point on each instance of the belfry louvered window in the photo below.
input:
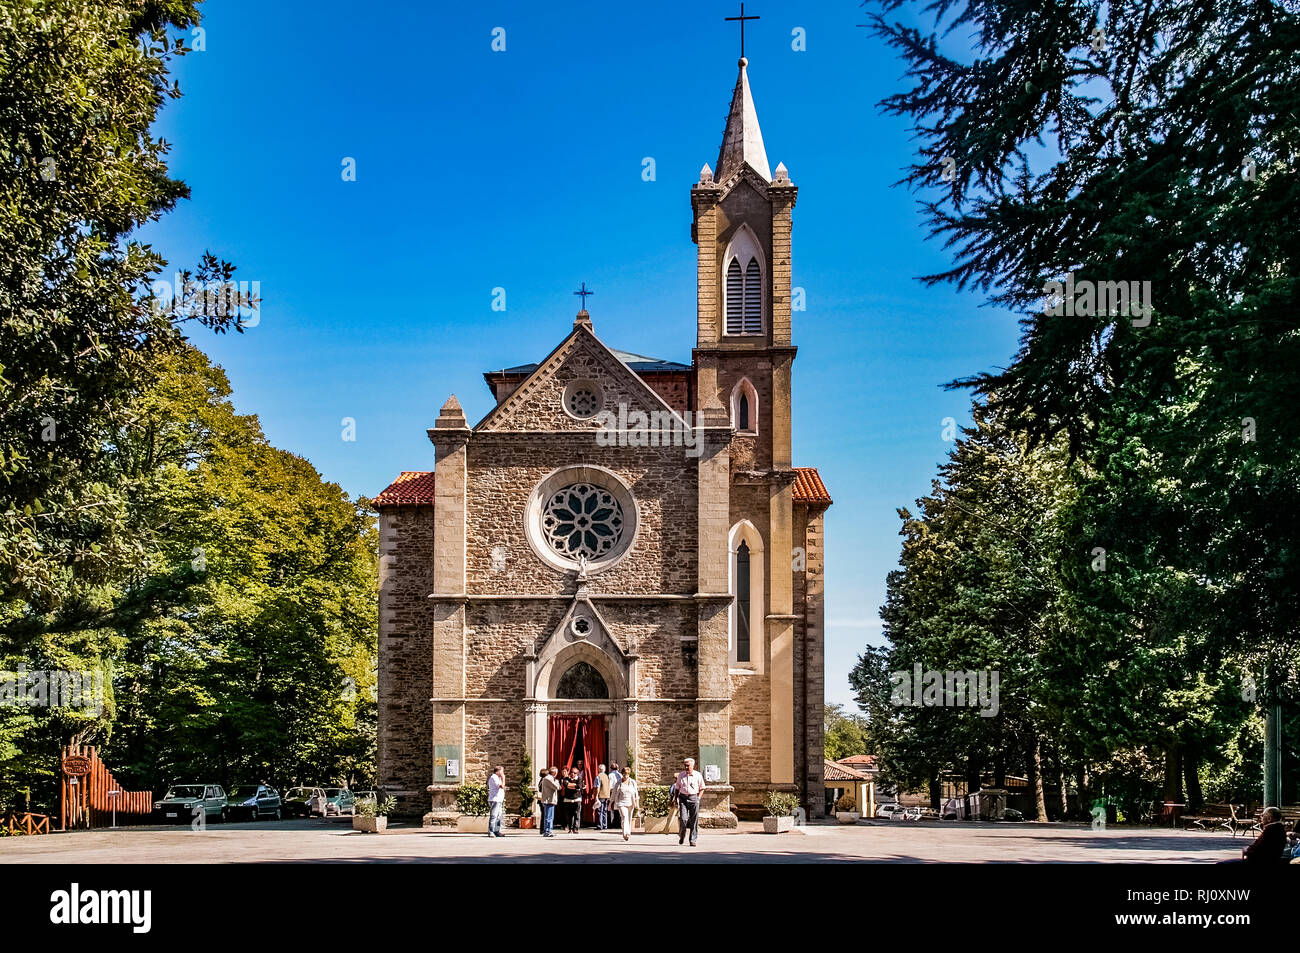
(744, 297)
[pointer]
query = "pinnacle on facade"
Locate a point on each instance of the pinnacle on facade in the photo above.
(742, 140)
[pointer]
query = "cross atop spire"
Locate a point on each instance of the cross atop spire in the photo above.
(742, 18)
(583, 292)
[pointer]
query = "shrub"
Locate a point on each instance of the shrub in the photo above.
(369, 807)
(655, 801)
(527, 793)
(472, 799)
(780, 804)
(846, 804)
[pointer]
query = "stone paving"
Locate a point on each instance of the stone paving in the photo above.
(879, 842)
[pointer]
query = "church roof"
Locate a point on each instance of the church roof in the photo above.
(742, 140)
(412, 488)
(809, 488)
(415, 488)
(638, 362)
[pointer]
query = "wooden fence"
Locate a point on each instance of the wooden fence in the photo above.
(86, 783)
(27, 824)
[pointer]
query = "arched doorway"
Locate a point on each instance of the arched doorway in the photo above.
(580, 740)
(581, 711)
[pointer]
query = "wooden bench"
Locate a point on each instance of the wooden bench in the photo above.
(1218, 817)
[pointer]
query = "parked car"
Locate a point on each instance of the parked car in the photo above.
(254, 801)
(1011, 814)
(889, 811)
(340, 801)
(911, 814)
(304, 802)
(184, 802)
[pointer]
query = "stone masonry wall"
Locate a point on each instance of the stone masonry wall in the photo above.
(405, 736)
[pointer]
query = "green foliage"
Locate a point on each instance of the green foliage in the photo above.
(372, 807)
(1158, 168)
(655, 800)
(780, 803)
(472, 799)
(845, 735)
(80, 331)
(527, 792)
(241, 642)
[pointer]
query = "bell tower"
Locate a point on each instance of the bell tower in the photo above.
(743, 358)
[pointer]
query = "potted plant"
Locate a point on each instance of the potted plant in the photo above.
(780, 812)
(527, 793)
(472, 802)
(658, 816)
(371, 816)
(846, 810)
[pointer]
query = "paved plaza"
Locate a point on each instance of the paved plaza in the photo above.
(882, 842)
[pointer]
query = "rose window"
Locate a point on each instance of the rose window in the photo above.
(583, 402)
(582, 520)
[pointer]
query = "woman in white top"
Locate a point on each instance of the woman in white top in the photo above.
(627, 799)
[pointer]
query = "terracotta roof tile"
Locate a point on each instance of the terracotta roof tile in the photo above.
(412, 488)
(835, 771)
(859, 761)
(809, 488)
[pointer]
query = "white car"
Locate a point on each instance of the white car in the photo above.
(911, 814)
(890, 811)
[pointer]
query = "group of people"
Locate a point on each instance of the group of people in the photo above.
(563, 791)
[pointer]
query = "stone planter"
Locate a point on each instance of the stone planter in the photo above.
(778, 825)
(659, 825)
(472, 824)
(369, 825)
(848, 817)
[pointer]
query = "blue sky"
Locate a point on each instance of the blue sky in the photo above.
(522, 169)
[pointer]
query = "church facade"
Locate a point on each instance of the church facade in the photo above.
(620, 563)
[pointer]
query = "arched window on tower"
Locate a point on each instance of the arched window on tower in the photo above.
(744, 407)
(747, 613)
(742, 603)
(744, 285)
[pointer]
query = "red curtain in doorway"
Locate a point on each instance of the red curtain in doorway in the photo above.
(573, 738)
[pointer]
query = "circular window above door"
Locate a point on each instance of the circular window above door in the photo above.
(581, 517)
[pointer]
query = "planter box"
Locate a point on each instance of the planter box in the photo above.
(848, 817)
(659, 825)
(527, 822)
(778, 825)
(370, 825)
(472, 824)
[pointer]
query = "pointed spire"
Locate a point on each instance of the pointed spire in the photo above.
(742, 141)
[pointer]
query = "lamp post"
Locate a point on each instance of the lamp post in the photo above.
(114, 794)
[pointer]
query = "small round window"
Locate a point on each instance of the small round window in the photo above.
(583, 399)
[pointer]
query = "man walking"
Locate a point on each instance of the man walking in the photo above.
(496, 800)
(602, 799)
(690, 785)
(547, 789)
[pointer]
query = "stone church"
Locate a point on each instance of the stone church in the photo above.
(619, 562)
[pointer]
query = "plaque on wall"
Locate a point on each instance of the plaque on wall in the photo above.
(744, 735)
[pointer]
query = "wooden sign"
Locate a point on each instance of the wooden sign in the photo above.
(76, 766)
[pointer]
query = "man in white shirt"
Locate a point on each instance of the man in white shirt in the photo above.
(690, 785)
(496, 800)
